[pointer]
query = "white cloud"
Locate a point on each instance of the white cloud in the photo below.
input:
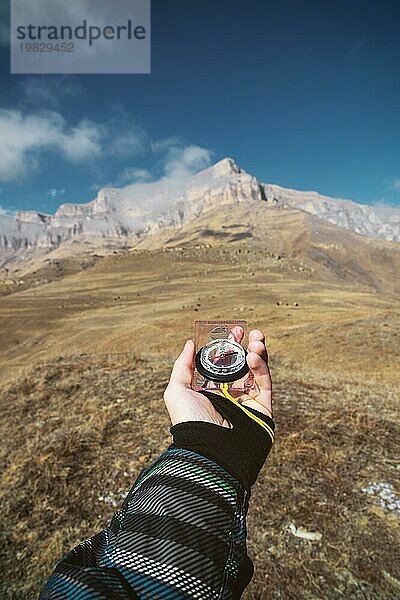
(135, 175)
(124, 136)
(81, 142)
(165, 144)
(128, 143)
(5, 212)
(44, 92)
(54, 193)
(24, 136)
(178, 163)
(95, 187)
(175, 162)
(181, 162)
(388, 204)
(395, 185)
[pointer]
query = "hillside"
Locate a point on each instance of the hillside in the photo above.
(85, 358)
(135, 294)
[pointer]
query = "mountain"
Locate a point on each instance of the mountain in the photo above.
(127, 217)
(130, 212)
(376, 221)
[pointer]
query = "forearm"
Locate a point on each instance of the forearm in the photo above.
(181, 526)
(180, 533)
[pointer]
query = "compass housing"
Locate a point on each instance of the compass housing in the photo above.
(222, 360)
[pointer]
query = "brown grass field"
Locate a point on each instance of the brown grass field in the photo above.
(87, 346)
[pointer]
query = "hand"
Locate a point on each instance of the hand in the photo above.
(184, 404)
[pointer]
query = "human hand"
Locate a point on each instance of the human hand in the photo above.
(184, 404)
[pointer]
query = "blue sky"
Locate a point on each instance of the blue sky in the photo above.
(305, 94)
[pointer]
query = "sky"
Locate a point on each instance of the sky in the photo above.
(304, 94)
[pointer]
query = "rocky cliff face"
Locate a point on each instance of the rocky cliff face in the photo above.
(139, 209)
(374, 221)
(131, 211)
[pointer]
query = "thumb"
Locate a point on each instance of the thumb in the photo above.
(182, 371)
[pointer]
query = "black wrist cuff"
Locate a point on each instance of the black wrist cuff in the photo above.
(241, 450)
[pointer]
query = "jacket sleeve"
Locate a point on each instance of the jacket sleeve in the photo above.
(181, 533)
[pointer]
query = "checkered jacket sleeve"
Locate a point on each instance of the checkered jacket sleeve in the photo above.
(180, 534)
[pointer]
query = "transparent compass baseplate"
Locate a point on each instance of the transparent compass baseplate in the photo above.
(220, 358)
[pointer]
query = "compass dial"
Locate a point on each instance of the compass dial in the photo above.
(222, 360)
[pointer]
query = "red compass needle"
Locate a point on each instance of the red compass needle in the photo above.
(223, 355)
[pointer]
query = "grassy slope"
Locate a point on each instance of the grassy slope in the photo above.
(82, 410)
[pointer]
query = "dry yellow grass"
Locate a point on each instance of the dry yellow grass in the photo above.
(85, 359)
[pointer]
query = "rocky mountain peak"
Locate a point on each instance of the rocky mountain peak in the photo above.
(225, 167)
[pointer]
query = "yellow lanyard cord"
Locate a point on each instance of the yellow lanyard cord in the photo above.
(224, 389)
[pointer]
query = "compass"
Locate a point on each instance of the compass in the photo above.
(222, 360)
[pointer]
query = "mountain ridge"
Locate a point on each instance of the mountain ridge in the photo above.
(127, 215)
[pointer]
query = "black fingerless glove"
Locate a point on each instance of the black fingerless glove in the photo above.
(241, 450)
